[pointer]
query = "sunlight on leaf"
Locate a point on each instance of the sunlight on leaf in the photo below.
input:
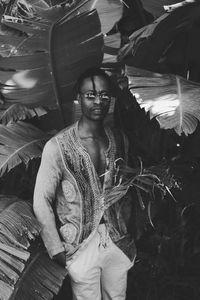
(172, 100)
(22, 80)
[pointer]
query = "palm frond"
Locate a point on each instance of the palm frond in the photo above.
(172, 100)
(19, 143)
(26, 271)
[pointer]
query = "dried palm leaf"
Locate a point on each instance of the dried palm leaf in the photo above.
(25, 272)
(19, 143)
(172, 100)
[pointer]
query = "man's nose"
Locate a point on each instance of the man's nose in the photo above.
(97, 99)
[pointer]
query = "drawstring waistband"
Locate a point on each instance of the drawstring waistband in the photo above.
(104, 235)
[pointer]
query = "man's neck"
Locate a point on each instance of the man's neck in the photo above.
(91, 129)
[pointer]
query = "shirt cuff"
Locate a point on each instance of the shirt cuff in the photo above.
(55, 251)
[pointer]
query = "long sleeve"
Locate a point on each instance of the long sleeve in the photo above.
(47, 182)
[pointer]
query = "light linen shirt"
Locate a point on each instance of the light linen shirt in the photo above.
(68, 196)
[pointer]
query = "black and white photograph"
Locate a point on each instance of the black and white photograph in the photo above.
(99, 149)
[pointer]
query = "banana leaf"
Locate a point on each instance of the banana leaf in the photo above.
(26, 72)
(157, 8)
(73, 53)
(29, 51)
(110, 12)
(5, 201)
(27, 81)
(172, 100)
(26, 62)
(19, 143)
(157, 37)
(18, 112)
(26, 271)
(36, 10)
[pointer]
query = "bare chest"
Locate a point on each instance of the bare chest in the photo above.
(96, 148)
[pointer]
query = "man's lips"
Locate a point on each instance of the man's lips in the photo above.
(97, 110)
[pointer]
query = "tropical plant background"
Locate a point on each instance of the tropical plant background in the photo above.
(44, 46)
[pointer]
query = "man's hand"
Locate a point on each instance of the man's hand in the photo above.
(60, 258)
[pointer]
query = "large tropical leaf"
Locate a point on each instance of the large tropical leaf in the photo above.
(38, 10)
(157, 38)
(26, 271)
(30, 82)
(157, 8)
(110, 12)
(172, 100)
(26, 67)
(5, 201)
(18, 112)
(19, 143)
(73, 53)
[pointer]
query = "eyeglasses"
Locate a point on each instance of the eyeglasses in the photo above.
(103, 96)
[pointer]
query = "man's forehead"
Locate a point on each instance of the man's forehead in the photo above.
(95, 82)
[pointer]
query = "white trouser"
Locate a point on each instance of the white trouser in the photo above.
(100, 270)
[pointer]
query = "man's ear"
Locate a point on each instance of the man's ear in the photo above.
(78, 98)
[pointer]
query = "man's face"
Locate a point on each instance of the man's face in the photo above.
(94, 96)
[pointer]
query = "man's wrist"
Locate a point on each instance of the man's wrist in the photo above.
(60, 258)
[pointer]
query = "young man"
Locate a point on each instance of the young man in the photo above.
(80, 230)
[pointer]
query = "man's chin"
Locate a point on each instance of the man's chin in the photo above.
(97, 118)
